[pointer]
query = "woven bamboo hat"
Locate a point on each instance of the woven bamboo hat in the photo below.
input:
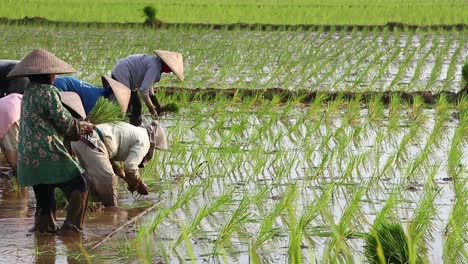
(121, 92)
(173, 60)
(73, 101)
(40, 61)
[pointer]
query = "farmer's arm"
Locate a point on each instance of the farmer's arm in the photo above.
(153, 74)
(132, 174)
(147, 99)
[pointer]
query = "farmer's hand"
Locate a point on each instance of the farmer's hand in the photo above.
(136, 184)
(154, 112)
(86, 128)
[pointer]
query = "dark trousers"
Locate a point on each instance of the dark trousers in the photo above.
(46, 206)
(135, 108)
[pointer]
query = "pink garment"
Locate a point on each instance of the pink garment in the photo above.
(10, 109)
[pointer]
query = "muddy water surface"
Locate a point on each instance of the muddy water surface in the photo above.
(17, 245)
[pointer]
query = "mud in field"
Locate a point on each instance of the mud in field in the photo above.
(17, 245)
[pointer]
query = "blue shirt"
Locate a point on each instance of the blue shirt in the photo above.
(88, 93)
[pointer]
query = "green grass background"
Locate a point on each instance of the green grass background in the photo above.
(246, 11)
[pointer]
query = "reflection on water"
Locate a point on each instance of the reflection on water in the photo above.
(17, 245)
(50, 248)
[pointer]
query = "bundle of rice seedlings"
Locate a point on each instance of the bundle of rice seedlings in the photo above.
(465, 74)
(105, 111)
(170, 107)
(465, 71)
(387, 243)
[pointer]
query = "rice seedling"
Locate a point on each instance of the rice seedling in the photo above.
(455, 244)
(387, 243)
(203, 213)
(235, 222)
(105, 111)
(420, 232)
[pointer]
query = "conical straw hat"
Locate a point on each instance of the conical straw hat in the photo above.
(160, 138)
(73, 101)
(173, 60)
(121, 92)
(40, 61)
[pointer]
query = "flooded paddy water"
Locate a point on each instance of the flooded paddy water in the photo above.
(240, 177)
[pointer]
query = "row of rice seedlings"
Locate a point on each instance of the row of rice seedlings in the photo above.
(455, 250)
(225, 59)
(408, 56)
(438, 63)
(267, 164)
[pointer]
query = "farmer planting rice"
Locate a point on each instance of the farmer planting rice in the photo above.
(43, 161)
(8, 86)
(89, 94)
(10, 108)
(142, 71)
(110, 143)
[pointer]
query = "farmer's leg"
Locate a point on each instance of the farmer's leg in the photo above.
(101, 178)
(136, 108)
(44, 218)
(76, 192)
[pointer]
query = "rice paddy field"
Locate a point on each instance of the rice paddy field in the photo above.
(330, 12)
(255, 179)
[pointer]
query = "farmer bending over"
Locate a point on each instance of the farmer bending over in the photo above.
(89, 94)
(14, 85)
(142, 71)
(10, 108)
(118, 142)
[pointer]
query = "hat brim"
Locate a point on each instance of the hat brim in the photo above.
(40, 61)
(73, 101)
(173, 60)
(122, 93)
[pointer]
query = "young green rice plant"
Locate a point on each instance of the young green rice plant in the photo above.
(205, 211)
(402, 67)
(188, 244)
(420, 228)
(295, 231)
(182, 199)
(455, 250)
(455, 155)
(438, 62)
(423, 60)
(375, 110)
(390, 56)
(266, 230)
(337, 250)
(171, 108)
(403, 149)
(452, 67)
(387, 243)
(379, 174)
(235, 222)
(465, 73)
(105, 111)
(394, 115)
